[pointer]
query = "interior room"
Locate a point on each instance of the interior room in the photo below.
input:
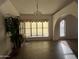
(38, 29)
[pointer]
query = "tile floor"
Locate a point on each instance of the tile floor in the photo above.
(45, 50)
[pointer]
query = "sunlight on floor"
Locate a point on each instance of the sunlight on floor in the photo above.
(65, 47)
(68, 53)
(70, 56)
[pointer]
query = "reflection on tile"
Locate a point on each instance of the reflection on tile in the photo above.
(68, 53)
(44, 50)
(65, 47)
(70, 57)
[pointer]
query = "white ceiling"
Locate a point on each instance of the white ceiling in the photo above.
(7, 8)
(45, 6)
(29, 6)
(2, 1)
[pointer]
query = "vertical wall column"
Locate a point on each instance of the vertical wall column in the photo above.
(50, 28)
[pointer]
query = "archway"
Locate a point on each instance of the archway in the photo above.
(71, 28)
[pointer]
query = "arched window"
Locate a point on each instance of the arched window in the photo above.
(62, 28)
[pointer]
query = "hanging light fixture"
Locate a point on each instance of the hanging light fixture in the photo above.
(37, 13)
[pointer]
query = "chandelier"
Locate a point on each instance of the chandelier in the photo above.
(37, 13)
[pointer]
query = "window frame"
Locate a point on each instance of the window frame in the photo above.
(37, 35)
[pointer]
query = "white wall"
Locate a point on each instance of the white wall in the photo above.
(5, 44)
(70, 9)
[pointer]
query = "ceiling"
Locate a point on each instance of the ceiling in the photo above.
(29, 6)
(8, 9)
(2, 1)
(44, 6)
